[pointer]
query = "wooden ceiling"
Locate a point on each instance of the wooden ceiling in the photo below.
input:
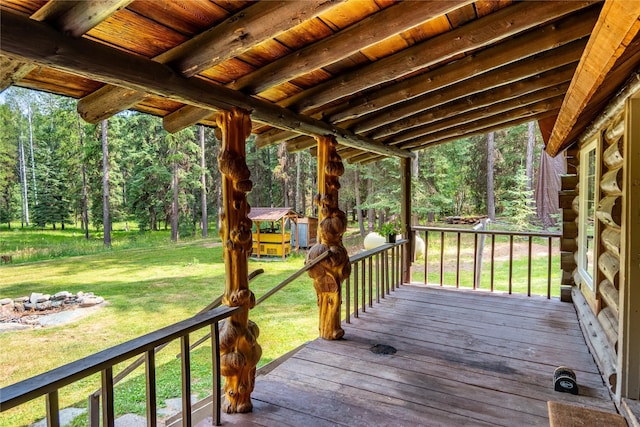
(384, 77)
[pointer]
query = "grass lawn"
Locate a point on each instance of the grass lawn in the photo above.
(146, 288)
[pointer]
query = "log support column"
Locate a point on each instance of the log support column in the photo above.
(239, 350)
(329, 274)
(405, 217)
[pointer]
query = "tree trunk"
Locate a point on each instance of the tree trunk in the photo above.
(269, 180)
(174, 203)
(25, 193)
(371, 213)
(415, 174)
(297, 201)
(491, 202)
(203, 178)
(359, 201)
(106, 219)
(83, 170)
(33, 163)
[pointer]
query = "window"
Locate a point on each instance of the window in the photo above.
(587, 220)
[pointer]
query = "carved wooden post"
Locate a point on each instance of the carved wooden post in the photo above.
(239, 350)
(329, 274)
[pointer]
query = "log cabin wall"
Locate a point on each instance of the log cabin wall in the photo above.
(600, 298)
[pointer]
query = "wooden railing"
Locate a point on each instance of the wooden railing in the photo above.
(103, 362)
(374, 274)
(439, 236)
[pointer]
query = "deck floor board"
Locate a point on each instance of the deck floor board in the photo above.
(463, 359)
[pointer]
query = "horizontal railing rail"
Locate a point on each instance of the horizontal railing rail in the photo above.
(103, 362)
(479, 236)
(375, 272)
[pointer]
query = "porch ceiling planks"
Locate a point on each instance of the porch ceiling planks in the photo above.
(206, 50)
(382, 76)
(90, 59)
(618, 25)
(463, 358)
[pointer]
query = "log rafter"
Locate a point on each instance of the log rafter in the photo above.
(75, 18)
(418, 57)
(615, 30)
(492, 59)
(367, 32)
(25, 39)
(206, 50)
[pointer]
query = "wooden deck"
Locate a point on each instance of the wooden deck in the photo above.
(463, 359)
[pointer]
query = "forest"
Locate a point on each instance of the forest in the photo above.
(55, 169)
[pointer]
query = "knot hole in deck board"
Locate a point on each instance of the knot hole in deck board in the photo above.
(382, 349)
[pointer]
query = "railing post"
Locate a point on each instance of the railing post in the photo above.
(549, 268)
(108, 417)
(94, 410)
(458, 262)
(150, 370)
(348, 301)
(441, 258)
(215, 361)
(364, 281)
(510, 263)
(355, 290)
(186, 379)
(426, 257)
(529, 266)
(53, 409)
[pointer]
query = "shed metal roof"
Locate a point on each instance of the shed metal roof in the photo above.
(271, 214)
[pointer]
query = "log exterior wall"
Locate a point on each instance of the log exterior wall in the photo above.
(604, 302)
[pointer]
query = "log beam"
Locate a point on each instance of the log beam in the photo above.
(75, 18)
(239, 349)
(329, 274)
(616, 28)
(26, 39)
(12, 71)
(185, 117)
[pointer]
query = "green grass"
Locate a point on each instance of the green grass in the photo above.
(146, 288)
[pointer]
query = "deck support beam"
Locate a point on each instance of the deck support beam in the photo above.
(405, 217)
(329, 274)
(239, 349)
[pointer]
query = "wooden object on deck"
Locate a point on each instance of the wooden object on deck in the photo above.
(329, 274)
(565, 415)
(239, 349)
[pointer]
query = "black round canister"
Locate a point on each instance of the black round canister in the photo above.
(564, 380)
